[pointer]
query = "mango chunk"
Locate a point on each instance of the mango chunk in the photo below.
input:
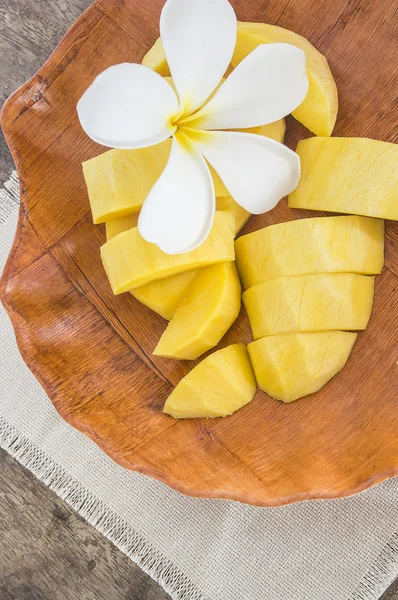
(113, 228)
(130, 262)
(118, 181)
(155, 59)
(165, 295)
(348, 175)
(321, 245)
(335, 301)
(241, 215)
(318, 111)
(293, 365)
(221, 384)
(205, 314)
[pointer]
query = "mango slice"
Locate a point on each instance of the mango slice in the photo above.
(205, 314)
(348, 175)
(241, 215)
(321, 245)
(155, 59)
(162, 296)
(318, 111)
(113, 228)
(165, 295)
(293, 365)
(130, 261)
(221, 384)
(118, 181)
(310, 303)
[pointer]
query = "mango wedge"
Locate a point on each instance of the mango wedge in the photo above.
(321, 245)
(348, 175)
(318, 111)
(155, 59)
(241, 215)
(130, 261)
(118, 181)
(338, 301)
(162, 296)
(293, 365)
(205, 314)
(221, 384)
(113, 228)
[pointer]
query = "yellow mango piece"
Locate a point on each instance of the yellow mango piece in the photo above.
(318, 111)
(155, 59)
(221, 384)
(118, 181)
(113, 228)
(331, 301)
(293, 365)
(130, 262)
(165, 295)
(348, 175)
(162, 296)
(321, 245)
(241, 215)
(208, 310)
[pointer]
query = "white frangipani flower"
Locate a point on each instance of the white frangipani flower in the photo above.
(131, 106)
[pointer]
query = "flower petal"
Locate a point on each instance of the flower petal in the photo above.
(128, 106)
(178, 212)
(199, 38)
(257, 171)
(265, 87)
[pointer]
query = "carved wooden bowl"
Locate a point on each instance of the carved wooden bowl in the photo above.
(92, 352)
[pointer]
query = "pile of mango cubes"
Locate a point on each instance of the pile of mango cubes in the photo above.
(308, 283)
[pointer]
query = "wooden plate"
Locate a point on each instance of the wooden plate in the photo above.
(92, 351)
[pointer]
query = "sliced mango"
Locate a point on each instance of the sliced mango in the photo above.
(221, 384)
(348, 175)
(130, 261)
(208, 310)
(113, 228)
(241, 215)
(337, 301)
(293, 365)
(118, 181)
(321, 245)
(318, 111)
(165, 295)
(155, 59)
(162, 296)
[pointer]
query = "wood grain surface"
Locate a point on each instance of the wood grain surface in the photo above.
(39, 532)
(93, 351)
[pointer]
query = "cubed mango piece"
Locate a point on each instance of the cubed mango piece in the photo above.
(293, 365)
(113, 228)
(164, 296)
(211, 305)
(221, 384)
(351, 244)
(118, 181)
(130, 261)
(318, 111)
(332, 301)
(348, 175)
(155, 59)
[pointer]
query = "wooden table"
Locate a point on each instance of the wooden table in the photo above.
(47, 551)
